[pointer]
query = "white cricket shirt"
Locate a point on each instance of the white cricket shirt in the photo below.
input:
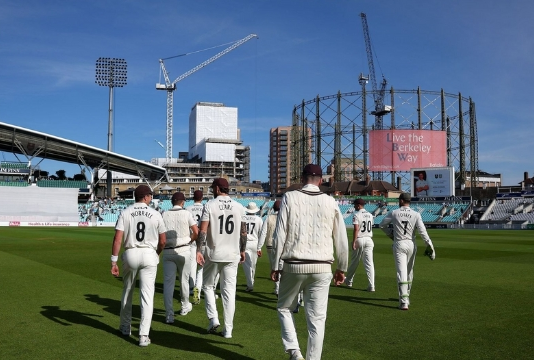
(365, 220)
(405, 221)
(141, 225)
(224, 216)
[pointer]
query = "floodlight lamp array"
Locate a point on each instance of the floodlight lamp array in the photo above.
(111, 72)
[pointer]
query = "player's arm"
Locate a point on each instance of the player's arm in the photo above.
(384, 225)
(341, 242)
(342, 247)
(280, 233)
(162, 240)
(194, 232)
(115, 248)
(355, 233)
(430, 252)
(279, 239)
(201, 242)
(243, 240)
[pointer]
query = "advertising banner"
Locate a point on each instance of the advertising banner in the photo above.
(433, 182)
(401, 150)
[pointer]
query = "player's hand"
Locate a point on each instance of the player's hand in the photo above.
(339, 277)
(259, 253)
(115, 270)
(275, 275)
(242, 257)
(354, 245)
(430, 252)
(200, 259)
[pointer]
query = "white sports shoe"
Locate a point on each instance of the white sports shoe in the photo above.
(144, 340)
(403, 306)
(371, 289)
(226, 334)
(186, 310)
(348, 283)
(169, 319)
(214, 324)
(296, 355)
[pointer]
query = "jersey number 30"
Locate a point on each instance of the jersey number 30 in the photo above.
(366, 226)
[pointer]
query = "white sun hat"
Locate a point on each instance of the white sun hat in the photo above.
(252, 208)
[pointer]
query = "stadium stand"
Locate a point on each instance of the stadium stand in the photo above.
(63, 184)
(13, 165)
(509, 210)
(14, 183)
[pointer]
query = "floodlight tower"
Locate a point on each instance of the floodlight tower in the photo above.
(110, 72)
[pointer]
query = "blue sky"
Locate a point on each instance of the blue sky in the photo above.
(481, 48)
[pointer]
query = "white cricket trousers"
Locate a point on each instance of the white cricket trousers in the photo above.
(404, 253)
(249, 265)
(228, 279)
(316, 288)
(195, 276)
(365, 252)
(142, 261)
(176, 260)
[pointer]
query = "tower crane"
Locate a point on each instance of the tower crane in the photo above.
(171, 86)
(378, 95)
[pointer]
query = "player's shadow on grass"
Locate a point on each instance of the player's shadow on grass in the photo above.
(369, 301)
(208, 344)
(205, 343)
(258, 298)
(71, 317)
(114, 307)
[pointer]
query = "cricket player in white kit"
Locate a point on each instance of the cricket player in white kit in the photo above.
(195, 277)
(405, 221)
(220, 248)
(266, 237)
(362, 245)
(182, 229)
(142, 230)
(308, 227)
(253, 251)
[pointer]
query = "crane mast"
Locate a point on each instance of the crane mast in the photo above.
(171, 86)
(378, 95)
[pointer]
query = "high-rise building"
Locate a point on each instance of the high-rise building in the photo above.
(213, 132)
(279, 155)
(215, 148)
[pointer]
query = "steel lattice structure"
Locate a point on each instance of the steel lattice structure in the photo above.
(339, 126)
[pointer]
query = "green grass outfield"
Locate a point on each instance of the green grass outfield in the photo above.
(475, 301)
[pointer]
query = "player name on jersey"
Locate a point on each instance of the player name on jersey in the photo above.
(141, 213)
(225, 204)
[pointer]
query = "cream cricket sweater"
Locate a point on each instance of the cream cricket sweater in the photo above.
(267, 231)
(308, 227)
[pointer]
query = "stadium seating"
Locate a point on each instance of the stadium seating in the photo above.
(14, 183)
(13, 165)
(63, 184)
